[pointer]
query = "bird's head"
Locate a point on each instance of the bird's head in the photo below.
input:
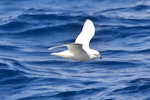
(94, 54)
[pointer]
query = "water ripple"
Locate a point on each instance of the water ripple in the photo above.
(28, 72)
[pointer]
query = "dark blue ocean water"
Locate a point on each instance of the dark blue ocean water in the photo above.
(29, 27)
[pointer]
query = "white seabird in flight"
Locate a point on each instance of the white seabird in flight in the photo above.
(80, 50)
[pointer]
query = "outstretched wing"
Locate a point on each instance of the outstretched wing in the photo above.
(86, 34)
(74, 48)
(57, 47)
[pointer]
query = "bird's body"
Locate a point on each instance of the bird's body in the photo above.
(68, 55)
(80, 49)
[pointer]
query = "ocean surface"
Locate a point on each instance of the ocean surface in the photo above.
(29, 27)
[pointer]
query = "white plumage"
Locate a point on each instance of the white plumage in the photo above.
(80, 49)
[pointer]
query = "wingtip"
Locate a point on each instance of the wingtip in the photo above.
(88, 20)
(51, 53)
(50, 48)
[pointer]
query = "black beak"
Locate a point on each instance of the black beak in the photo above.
(100, 57)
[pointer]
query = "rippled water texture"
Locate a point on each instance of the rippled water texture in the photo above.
(29, 27)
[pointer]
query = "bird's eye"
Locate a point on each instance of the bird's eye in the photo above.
(96, 54)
